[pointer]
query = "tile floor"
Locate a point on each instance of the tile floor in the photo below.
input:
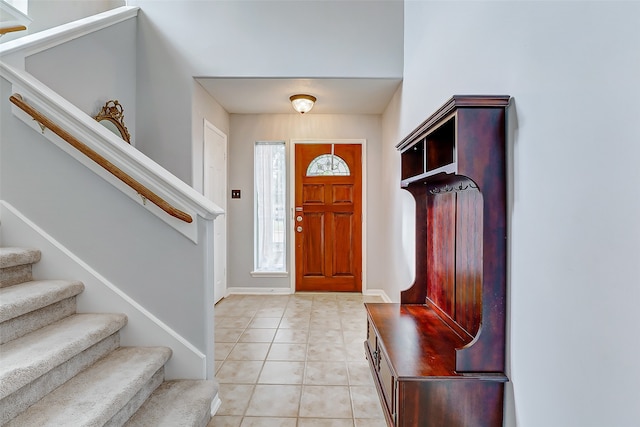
(294, 361)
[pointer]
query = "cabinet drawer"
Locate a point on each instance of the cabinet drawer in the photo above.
(371, 337)
(387, 383)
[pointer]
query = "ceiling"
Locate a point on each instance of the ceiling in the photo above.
(271, 95)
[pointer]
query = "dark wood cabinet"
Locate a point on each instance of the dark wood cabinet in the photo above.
(438, 357)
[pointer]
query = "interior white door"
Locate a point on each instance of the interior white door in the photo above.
(215, 189)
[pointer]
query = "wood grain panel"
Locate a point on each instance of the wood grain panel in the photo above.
(441, 229)
(342, 243)
(313, 244)
(313, 193)
(468, 290)
(342, 193)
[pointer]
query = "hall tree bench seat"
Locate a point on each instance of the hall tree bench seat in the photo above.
(438, 357)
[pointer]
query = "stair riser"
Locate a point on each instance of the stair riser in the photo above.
(10, 276)
(177, 402)
(22, 325)
(21, 399)
(136, 401)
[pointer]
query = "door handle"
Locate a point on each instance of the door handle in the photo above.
(299, 229)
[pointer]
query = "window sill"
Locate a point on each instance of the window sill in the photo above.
(269, 274)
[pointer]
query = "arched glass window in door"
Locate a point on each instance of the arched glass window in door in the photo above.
(328, 165)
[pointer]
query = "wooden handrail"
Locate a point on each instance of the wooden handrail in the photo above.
(146, 194)
(11, 29)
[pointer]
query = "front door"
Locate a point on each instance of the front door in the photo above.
(328, 217)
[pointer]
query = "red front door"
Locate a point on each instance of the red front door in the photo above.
(328, 217)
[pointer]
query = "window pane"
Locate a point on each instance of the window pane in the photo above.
(328, 164)
(270, 199)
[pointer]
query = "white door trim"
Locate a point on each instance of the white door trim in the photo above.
(222, 219)
(291, 202)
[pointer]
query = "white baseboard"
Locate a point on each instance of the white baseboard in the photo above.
(287, 291)
(215, 404)
(100, 295)
(257, 291)
(378, 293)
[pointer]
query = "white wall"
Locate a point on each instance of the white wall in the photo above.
(103, 68)
(48, 14)
(246, 129)
(179, 40)
(572, 68)
(204, 107)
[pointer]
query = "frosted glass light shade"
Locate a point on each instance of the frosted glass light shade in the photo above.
(302, 103)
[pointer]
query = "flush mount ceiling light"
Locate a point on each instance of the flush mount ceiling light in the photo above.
(302, 103)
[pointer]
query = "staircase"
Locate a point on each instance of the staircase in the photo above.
(63, 368)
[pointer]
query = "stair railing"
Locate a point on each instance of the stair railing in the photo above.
(144, 192)
(13, 19)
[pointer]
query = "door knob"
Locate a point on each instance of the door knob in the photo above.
(299, 229)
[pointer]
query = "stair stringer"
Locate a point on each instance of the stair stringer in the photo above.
(100, 295)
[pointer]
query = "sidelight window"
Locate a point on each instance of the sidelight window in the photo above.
(270, 207)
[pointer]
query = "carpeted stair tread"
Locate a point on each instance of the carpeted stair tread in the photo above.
(10, 257)
(176, 404)
(20, 299)
(97, 394)
(27, 358)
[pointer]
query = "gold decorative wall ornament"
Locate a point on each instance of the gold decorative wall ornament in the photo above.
(112, 117)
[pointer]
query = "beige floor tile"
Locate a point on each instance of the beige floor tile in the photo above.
(268, 422)
(235, 398)
(294, 322)
(225, 421)
(360, 373)
(232, 322)
(322, 422)
(365, 402)
(227, 335)
(275, 372)
(222, 350)
(329, 336)
(257, 335)
(274, 401)
(326, 373)
(239, 372)
(325, 402)
(324, 352)
(299, 336)
(370, 422)
(270, 312)
(264, 322)
(249, 351)
(287, 351)
(354, 351)
(309, 368)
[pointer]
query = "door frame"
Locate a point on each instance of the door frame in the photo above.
(291, 197)
(210, 126)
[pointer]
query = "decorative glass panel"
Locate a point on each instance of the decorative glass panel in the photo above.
(328, 164)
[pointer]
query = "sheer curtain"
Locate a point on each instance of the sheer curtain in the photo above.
(270, 197)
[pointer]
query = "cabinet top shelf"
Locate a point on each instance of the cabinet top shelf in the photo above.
(446, 169)
(456, 101)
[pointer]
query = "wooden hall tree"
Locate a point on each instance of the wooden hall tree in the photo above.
(438, 357)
